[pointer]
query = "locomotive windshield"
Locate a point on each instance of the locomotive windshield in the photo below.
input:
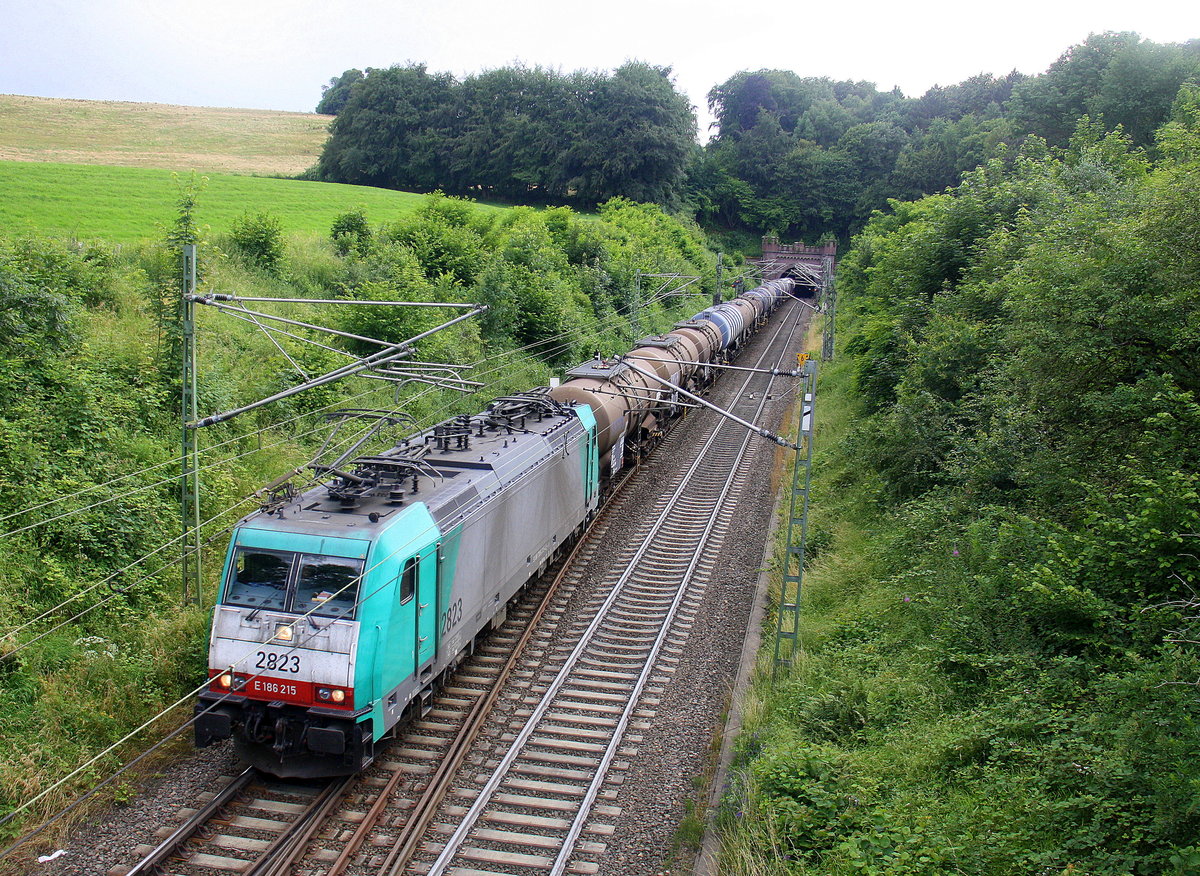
(327, 585)
(284, 581)
(259, 579)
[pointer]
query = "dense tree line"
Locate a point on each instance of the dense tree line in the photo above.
(804, 157)
(1000, 668)
(520, 134)
(813, 156)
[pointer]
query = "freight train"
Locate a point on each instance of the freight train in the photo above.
(342, 608)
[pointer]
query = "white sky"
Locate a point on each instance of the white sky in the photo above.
(276, 54)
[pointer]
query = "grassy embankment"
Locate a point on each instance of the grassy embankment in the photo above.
(123, 134)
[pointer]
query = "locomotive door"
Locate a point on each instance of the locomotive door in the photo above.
(427, 609)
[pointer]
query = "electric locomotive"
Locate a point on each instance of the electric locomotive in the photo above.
(342, 608)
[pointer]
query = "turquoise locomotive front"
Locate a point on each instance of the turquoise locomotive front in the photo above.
(335, 620)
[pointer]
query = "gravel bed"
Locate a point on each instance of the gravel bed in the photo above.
(677, 749)
(108, 838)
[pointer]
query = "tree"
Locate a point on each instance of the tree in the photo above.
(389, 133)
(513, 127)
(336, 94)
(524, 134)
(1140, 84)
(1128, 81)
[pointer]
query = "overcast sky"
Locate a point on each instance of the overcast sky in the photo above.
(276, 54)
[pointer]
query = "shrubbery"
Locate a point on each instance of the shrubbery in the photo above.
(994, 680)
(258, 237)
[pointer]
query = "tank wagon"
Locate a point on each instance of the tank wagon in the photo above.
(341, 609)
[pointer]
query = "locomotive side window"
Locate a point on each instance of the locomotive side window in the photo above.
(328, 586)
(259, 578)
(408, 580)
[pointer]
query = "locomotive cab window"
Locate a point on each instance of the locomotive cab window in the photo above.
(408, 580)
(328, 586)
(258, 579)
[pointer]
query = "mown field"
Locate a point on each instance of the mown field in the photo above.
(208, 139)
(89, 169)
(127, 204)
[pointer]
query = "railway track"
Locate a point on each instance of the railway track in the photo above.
(539, 805)
(515, 768)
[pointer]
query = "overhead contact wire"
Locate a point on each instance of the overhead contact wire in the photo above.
(207, 682)
(427, 391)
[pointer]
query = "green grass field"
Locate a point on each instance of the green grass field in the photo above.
(208, 139)
(89, 169)
(127, 204)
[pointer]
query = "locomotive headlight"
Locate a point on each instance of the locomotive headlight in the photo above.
(283, 632)
(331, 695)
(225, 679)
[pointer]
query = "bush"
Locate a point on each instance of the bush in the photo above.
(350, 230)
(258, 237)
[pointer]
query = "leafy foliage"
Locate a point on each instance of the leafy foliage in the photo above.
(994, 678)
(259, 239)
(336, 94)
(810, 156)
(520, 134)
(350, 230)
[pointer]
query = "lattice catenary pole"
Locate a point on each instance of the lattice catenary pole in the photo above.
(189, 457)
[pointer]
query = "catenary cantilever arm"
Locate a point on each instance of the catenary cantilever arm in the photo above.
(757, 430)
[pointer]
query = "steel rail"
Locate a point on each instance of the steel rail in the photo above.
(289, 847)
(439, 784)
(454, 843)
(562, 860)
(175, 842)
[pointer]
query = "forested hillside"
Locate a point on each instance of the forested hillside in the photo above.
(93, 639)
(810, 156)
(804, 157)
(1000, 667)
